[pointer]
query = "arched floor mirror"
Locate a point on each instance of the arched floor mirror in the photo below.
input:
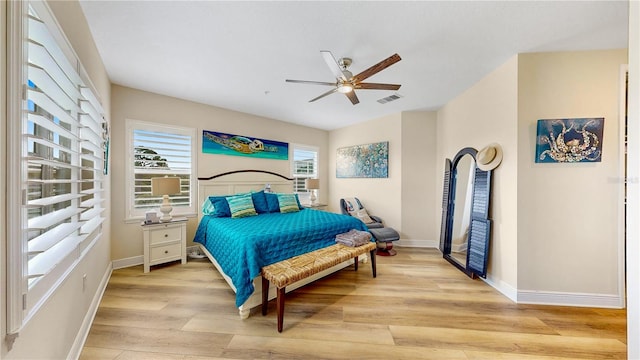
(466, 228)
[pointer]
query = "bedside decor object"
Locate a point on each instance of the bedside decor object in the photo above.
(363, 161)
(313, 185)
(165, 186)
(569, 140)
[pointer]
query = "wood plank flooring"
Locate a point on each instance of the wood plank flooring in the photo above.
(419, 307)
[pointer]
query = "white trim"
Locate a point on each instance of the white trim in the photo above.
(417, 243)
(504, 288)
(128, 262)
(131, 124)
(569, 299)
(622, 163)
(83, 332)
(16, 246)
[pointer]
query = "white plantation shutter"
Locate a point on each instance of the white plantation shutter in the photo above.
(305, 166)
(61, 160)
(158, 150)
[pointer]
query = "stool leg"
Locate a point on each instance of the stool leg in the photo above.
(355, 263)
(373, 262)
(280, 301)
(265, 295)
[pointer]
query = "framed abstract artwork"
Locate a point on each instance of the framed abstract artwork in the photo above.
(569, 140)
(230, 144)
(363, 161)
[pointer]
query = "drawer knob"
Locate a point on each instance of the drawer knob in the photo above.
(166, 235)
(166, 251)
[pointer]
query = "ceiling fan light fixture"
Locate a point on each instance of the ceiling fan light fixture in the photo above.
(345, 88)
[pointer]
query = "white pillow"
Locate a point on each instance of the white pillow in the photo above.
(362, 215)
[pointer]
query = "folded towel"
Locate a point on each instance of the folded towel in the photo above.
(354, 238)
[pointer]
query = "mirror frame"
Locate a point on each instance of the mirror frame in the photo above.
(480, 226)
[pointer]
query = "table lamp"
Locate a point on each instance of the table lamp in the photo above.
(165, 186)
(313, 185)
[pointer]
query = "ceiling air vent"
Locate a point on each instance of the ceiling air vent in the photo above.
(390, 98)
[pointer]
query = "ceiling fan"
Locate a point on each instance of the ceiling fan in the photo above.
(346, 82)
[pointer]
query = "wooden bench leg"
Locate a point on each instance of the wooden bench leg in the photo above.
(265, 295)
(373, 262)
(280, 303)
(355, 263)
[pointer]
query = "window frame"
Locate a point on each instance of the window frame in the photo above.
(304, 195)
(58, 70)
(135, 214)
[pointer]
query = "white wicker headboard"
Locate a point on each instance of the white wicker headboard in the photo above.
(241, 181)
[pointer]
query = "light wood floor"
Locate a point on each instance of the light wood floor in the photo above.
(419, 307)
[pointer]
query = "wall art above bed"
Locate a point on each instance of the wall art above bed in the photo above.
(363, 161)
(569, 140)
(238, 145)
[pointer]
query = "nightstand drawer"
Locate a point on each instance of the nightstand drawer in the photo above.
(166, 251)
(168, 233)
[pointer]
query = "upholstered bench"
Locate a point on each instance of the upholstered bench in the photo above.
(287, 272)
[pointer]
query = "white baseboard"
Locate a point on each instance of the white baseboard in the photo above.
(570, 299)
(504, 288)
(417, 243)
(128, 262)
(83, 332)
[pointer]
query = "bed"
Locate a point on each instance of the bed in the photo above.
(240, 247)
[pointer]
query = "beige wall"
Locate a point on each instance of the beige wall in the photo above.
(382, 197)
(55, 327)
(134, 104)
(483, 114)
(568, 213)
(419, 187)
(3, 167)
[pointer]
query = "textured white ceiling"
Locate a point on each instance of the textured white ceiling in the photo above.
(237, 54)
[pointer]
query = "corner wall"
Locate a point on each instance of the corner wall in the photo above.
(487, 113)
(60, 324)
(128, 103)
(568, 234)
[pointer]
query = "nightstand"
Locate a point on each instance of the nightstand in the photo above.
(315, 206)
(164, 242)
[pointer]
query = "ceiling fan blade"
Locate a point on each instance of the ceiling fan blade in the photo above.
(333, 65)
(377, 67)
(374, 86)
(352, 96)
(323, 95)
(311, 82)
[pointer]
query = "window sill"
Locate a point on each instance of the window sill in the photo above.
(139, 219)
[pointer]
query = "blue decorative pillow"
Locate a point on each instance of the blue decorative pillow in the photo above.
(260, 202)
(207, 207)
(220, 206)
(241, 206)
(272, 202)
(288, 203)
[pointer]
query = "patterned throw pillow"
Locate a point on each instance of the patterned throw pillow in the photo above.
(220, 206)
(362, 215)
(241, 206)
(288, 203)
(207, 207)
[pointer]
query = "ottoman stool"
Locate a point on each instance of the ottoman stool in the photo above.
(384, 238)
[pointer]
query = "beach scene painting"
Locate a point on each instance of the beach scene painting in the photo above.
(363, 161)
(238, 145)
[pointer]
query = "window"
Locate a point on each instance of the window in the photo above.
(157, 150)
(305, 166)
(57, 151)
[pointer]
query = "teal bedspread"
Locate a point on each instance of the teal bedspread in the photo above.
(243, 246)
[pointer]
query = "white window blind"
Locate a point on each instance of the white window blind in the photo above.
(160, 150)
(305, 166)
(61, 159)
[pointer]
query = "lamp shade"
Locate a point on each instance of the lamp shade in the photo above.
(312, 184)
(165, 185)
